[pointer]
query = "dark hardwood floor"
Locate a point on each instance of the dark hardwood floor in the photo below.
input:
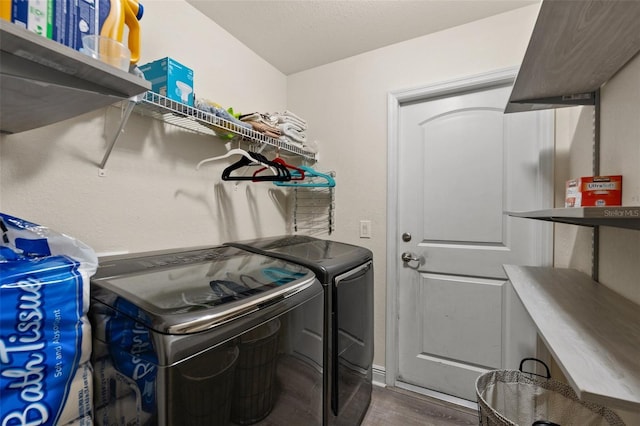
(393, 406)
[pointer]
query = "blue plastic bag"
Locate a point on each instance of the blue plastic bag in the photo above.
(44, 298)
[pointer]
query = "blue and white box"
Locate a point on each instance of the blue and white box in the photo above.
(170, 78)
(64, 21)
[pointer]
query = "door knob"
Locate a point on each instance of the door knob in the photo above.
(408, 257)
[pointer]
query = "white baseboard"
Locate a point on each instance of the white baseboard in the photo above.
(379, 375)
(437, 395)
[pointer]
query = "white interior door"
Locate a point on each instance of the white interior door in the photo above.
(461, 164)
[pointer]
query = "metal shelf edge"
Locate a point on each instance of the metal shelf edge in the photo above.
(616, 216)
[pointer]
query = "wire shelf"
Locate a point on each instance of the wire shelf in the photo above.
(198, 121)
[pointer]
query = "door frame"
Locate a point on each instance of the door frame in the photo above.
(544, 197)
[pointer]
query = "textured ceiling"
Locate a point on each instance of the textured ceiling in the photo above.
(296, 35)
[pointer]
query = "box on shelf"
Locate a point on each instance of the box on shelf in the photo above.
(594, 191)
(64, 21)
(170, 78)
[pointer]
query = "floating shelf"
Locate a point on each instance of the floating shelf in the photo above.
(618, 217)
(44, 82)
(576, 47)
(195, 120)
(592, 332)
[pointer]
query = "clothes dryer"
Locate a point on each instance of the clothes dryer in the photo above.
(346, 273)
(206, 336)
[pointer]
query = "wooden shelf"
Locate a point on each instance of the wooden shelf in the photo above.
(618, 217)
(44, 82)
(576, 47)
(592, 332)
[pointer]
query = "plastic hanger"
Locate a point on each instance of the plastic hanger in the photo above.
(298, 173)
(282, 173)
(328, 181)
(235, 151)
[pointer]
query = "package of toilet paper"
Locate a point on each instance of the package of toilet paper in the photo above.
(45, 337)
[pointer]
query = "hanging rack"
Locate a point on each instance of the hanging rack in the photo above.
(313, 208)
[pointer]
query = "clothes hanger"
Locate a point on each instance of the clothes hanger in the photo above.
(282, 173)
(310, 174)
(231, 152)
(296, 172)
(234, 151)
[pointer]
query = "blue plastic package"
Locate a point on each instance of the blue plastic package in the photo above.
(44, 297)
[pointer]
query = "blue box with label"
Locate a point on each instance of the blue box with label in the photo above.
(170, 78)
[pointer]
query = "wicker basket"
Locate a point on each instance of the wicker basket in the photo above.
(517, 398)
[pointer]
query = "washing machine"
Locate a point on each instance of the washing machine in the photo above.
(206, 336)
(346, 273)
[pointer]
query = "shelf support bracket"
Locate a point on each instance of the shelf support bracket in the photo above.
(131, 103)
(595, 244)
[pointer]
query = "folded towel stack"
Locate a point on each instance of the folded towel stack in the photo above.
(293, 128)
(285, 126)
(263, 123)
(290, 117)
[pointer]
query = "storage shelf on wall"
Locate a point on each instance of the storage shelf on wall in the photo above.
(618, 217)
(575, 47)
(592, 332)
(195, 120)
(44, 82)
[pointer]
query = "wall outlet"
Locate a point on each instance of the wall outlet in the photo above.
(365, 229)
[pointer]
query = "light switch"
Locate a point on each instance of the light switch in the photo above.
(365, 229)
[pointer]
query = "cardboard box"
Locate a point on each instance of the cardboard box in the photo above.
(170, 78)
(594, 191)
(64, 21)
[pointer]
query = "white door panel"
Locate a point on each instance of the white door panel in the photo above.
(461, 164)
(446, 376)
(443, 308)
(455, 189)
